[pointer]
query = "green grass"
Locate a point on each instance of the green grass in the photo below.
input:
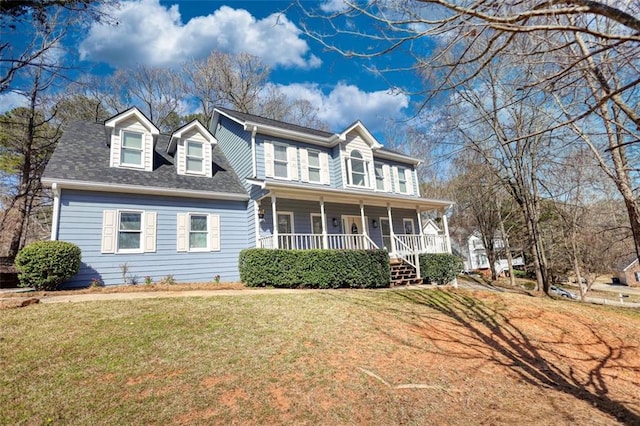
(309, 358)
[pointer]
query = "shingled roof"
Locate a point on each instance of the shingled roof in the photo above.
(82, 155)
(244, 117)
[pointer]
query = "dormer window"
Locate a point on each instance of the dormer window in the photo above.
(192, 147)
(358, 167)
(131, 150)
(131, 140)
(195, 157)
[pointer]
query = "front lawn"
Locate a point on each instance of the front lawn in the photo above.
(335, 357)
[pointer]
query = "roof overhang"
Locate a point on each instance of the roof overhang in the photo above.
(346, 196)
(263, 129)
(193, 125)
(137, 189)
(132, 113)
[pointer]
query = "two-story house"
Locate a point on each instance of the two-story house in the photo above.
(477, 259)
(185, 204)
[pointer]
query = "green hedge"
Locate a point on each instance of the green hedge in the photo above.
(440, 268)
(314, 268)
(44, 265)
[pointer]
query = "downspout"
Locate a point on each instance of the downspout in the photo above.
(253, 151)
(55, 219)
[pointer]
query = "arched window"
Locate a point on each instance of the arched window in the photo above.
(358, 168)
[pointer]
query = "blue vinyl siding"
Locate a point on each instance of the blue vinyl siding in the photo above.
(81, 223)
(235, 142)
(336, 168)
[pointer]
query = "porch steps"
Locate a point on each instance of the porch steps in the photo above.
(402, 273)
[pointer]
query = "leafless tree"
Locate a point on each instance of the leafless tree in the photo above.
(585, 54)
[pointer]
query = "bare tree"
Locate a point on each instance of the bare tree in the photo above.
(585, 53)
(40, 34)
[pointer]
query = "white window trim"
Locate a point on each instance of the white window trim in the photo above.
(311, 216)
(122, 148)
(375, 176)
(142, 233)
(290, 214)
(401, 172)
(365, 164)
(316, 152)
(404, 225)
(286, 161)
(198, 249)
(187, 156)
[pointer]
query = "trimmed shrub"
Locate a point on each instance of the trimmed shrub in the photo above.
(44, 265)
(440, 268)
(314, 268)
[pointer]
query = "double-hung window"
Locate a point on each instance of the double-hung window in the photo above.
(129, 231)
(402, 180)
(379, 177)
(131, 149)
(280, 167)
(358, 169)
(198, 232)
(314, 166)
(195, 157)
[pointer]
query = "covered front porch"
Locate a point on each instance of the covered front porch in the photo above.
(302, 219)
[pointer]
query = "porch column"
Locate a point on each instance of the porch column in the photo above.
(445, 225)
(325, 237)
(392, 235)
(421, 231)
(274, 214)
(364, 224)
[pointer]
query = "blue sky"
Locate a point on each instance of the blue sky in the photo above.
(158, 32)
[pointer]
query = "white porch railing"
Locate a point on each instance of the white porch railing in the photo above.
(423, 243)
(407, 253)
(315, 241)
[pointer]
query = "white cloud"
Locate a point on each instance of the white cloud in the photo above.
(345, 104)
(11, 100)
(152, 34)
(330, 6)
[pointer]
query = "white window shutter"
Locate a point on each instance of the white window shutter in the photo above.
(208, 168)
(324, 168)
(371, 175)
(150, 232)
(408, 175)
(214, 232)
(304, 165)
(268, 159)
(147, 152)
(109, 236)
(182, 236)
(396, 182)
(292, 156)
(386, 173)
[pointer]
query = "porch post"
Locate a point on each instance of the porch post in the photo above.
(392, 235)
(325, 237)
(364, 224)
(445, 225)
(420, 232)
(274, 213)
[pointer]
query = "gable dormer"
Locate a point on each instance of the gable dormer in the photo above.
(356, 151)
(131, 140)
(191, 146)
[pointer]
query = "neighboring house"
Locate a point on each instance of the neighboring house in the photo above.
(476, 258)
(185, 204)
(628, 272)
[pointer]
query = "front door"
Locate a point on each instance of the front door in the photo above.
(353, 225)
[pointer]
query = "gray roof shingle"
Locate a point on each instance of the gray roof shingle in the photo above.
(83, 155)
(244, 117)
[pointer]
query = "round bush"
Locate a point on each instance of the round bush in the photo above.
(44, 265)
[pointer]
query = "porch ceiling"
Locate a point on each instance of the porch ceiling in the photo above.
(349, 196)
